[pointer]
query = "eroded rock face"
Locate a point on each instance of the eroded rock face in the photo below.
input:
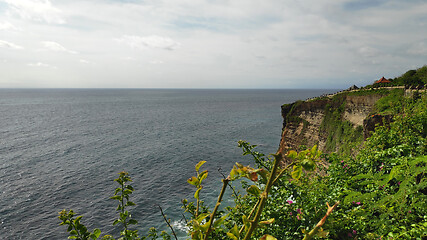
(359, 107)
(372, 121)
(302, 124)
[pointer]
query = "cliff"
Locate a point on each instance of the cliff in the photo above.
(336, 123)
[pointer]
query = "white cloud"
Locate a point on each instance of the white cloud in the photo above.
(7, 26)
(368, 52)
(36, 10)
(152, 41)
(40, 64)
(6, 44)
(156, 62)
(419, 49)
(56, 47)
(84, 61)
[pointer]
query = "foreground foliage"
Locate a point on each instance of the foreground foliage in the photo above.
(382, 191)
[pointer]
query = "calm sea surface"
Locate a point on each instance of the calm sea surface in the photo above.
(63, 148)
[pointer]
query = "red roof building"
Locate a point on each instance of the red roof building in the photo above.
(383, 80)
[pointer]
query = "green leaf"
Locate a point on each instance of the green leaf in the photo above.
(95, 234)
(308, 165)
(267, 237)
(204, 227)
(264, 173)
(234, 174)
(78, 219)
(196, 194)
(230, 235)
(313, 151)
(321, 233)
(246, 222)
(203, 175)
(202, 216)
(73, 232)
(269, 221)
(129, 203)
(254, 190)
(117, 197)
(127, 191)
(116, 221)
(235, 231)
(193, 181)
(297, 172)
(292, 154)
(133, 221)
(219, 222)
(198, 165)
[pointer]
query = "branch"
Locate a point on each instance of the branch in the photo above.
(224, 186)
(316, 229)
(173, 232)
(263, 197)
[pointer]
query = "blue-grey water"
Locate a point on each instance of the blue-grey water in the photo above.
(62, 148)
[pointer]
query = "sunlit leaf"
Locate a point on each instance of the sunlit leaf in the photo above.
(235, 231)
(117, 197)
(292, 154)
(193, 181)
(203, 175)
(254, 190)
(313, 151)
(297, 172)
(230, 235)
(267, 237)
(234, 174)
(196, 194)
(246, 222)
(219, 222)
(269, 221)
(198, 165)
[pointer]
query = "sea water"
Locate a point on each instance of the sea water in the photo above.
(62, 149)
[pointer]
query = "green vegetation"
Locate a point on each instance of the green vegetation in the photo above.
(391, 103)
(341, 137)
(410, 79)
(381, 191)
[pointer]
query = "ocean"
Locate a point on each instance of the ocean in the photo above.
(62, 149)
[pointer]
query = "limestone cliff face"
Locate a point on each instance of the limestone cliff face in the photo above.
(326, 121)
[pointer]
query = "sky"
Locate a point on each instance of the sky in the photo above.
(209, 43)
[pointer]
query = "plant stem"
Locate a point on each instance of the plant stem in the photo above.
(250, 215)
(123, 206)
(197, 209)
(164, 217)
(218, 202)
(78, 232)
(281, 172)
(264, 196)
(316, 229)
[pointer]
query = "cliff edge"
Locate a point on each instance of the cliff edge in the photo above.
(336, 123)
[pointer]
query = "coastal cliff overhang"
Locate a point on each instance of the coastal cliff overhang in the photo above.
(332, 122)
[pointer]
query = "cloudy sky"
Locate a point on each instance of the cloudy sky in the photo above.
(208, 43)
